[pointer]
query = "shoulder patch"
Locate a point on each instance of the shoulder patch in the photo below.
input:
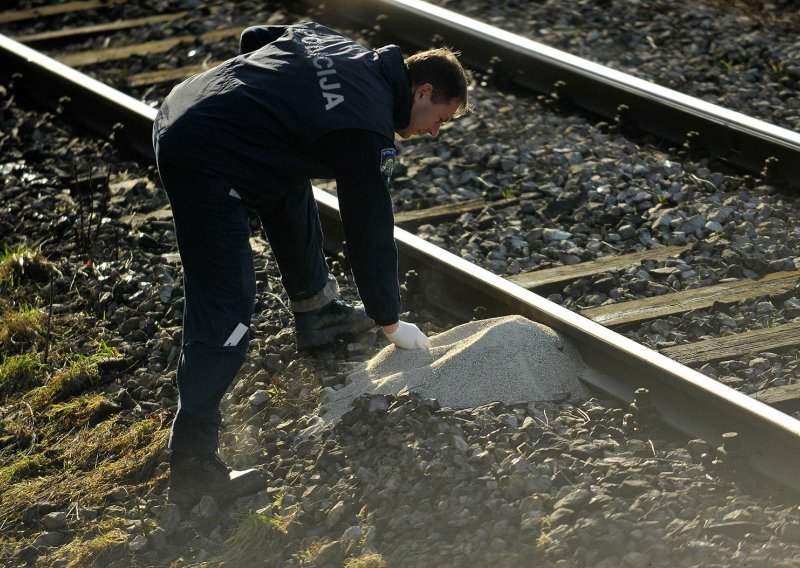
(388, 156)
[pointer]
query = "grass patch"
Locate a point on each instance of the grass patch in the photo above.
(8, 546)
(371, 560)
(20, 328)
(19, 373)
(257, 538)
(87, 464)
(24, 466)
(80, 412)
(16, 435)
(96, 545)
(23, 262)
(80, 375)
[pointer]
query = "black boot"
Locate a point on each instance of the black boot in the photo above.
(319, 328)
(193, 475)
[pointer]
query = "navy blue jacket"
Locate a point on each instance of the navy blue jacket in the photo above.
(302, 102)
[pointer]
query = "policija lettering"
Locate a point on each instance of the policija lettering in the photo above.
(326, 66)
(326, 71)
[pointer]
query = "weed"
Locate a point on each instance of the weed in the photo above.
(778, 68)
(20, 328)
(371, 560)
(24, 466)
(109, 440)
(727, 64)
(276, 391)
(22, 262)
(91, 462)
(105, 350)
(257, 537)
(19, 373)
(78, 376)
(80, 412)
(91, 547)
(8, 548)
(18, 429)
(507, 193)
(544, 536)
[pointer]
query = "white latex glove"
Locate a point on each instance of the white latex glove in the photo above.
(408, 336)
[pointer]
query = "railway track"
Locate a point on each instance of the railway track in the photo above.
(719, 129)
(494, 295)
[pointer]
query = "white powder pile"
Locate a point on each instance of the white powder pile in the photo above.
(509, 359)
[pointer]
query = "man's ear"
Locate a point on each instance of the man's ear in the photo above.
(422, 90)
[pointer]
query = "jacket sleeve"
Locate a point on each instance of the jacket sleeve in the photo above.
(256, 37)
(367, 217)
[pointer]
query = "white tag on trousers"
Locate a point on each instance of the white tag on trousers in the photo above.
(236, 336)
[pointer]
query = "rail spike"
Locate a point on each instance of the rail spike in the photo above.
(642, 414)
(771, 170)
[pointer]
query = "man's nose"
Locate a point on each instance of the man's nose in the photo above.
(434, 130)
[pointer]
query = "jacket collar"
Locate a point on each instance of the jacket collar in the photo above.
(394, 69)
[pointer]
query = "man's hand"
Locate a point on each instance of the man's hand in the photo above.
(406, 336)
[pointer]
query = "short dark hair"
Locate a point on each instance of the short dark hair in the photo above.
(441, 68)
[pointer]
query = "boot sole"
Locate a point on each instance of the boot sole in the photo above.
(246, 484)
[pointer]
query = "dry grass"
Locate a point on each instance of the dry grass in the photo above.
(22, 467)
(19, 373)
(257, 539)
(20, 329)
(371, 560)
(61, 440)
(86, 465)
(20, 263)
(93, 546)
(80, 412)
(80, 375)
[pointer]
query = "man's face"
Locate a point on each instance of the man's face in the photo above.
(427, 116)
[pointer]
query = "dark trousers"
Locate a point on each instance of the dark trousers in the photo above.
(213, 232)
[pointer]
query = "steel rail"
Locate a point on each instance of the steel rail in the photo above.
(746, 142)
(684, 398)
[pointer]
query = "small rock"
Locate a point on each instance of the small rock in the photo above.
(631, 487)
(550, 235)
(206, 510)
(118, 494)
(35, 512)
(791, 531)
(158, 538)
(561, 516)
(574, 500)
(54, 521)
(138, 543)
(460, 444)
(734, 529)
(50, 538)
(335, 515)
(170, 518)
(330, 553)
(378, 404)
(258, 398)
(352, 534)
